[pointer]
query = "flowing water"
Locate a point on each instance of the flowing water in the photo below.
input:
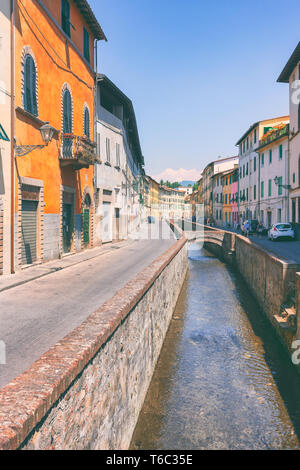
(223, 380)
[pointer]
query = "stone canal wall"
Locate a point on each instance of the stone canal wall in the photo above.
(87, 391)
(274, 282)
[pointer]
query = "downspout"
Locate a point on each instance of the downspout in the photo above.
(288, 180)
(12, 172)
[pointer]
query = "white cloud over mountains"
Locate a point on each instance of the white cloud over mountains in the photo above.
(178, 175)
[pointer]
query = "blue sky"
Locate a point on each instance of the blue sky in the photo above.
(199, 73)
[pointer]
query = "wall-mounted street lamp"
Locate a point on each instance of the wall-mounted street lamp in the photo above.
(47, 133)
(285, 186)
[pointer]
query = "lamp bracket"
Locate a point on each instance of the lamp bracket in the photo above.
(22, 150)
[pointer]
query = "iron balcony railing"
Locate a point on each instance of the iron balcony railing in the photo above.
(77, 149)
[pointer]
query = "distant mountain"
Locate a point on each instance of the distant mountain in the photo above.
(180, 175)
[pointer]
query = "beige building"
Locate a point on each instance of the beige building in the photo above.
(291, 75)
(211, 184)
(5, 137)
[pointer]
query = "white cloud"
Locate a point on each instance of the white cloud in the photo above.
(178, 175)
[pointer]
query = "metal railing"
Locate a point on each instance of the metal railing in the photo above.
(75, 147)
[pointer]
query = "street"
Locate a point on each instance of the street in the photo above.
(35, 315)
(289, 250)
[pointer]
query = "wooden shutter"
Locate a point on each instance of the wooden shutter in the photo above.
(33, 88)
(28, 85)
(67, 113)
(87, 123)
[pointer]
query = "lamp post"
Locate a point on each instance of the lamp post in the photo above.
(47, 133)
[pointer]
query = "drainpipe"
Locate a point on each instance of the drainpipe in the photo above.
(288, 181)
(12, 173)
(258, 205)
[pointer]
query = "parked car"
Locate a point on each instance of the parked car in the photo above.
(281, 230)
(151, 219)
(253, 225)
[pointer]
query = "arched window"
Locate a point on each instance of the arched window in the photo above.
(86, 129)
(67, 124)
(30, 98)
(67, 113)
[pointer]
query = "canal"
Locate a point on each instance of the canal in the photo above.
(223, 380)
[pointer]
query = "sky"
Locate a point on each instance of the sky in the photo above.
(199, 73)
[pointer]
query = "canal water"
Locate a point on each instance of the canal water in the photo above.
(223, 380)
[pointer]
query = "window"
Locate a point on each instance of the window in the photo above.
(262, 159)
(255, 136)
(118, 163)
(247, 169)
(280, 186)
(280, 152)
(254, 164)
(262, 189)
(243, 171)
(86, 45)
(254, 196)
(30, 101)
(294, 178)
(270, 188)
(244, 146)
(247, 143)
(86, 129)
(247, 194)
(107, 150)
(67, 113)
(67, 124)
(270, 156)
(65, 17)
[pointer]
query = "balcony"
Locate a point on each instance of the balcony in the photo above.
(77, 152)
(274, 134)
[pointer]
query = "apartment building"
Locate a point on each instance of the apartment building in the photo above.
(119, 171)
(291, 75)
(249, 168)
(6, 132)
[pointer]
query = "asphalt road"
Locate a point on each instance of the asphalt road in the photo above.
(34, 316)
(287, 249)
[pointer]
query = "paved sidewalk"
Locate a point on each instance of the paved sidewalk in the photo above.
(43, 269)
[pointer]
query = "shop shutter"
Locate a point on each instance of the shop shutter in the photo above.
(29, 231)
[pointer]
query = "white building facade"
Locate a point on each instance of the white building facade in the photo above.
(119, 172)
(273, 177)
(291, 75)
(5, 136)
(249, 166)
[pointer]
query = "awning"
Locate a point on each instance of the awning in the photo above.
(3, 135)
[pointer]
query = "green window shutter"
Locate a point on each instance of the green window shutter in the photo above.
(270, 188)
(87, 123)
(262, 159)
(86, 44)
(280, 152)
(270, 156)
(254, 164)
(255, 191)
(65, 17)
(280, 186)
(67, 113)
(262, 189)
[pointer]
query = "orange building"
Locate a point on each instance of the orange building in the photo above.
(55, 83)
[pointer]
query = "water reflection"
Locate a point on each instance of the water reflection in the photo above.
(223, 381)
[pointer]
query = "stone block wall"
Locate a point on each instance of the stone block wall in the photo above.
(87, 391)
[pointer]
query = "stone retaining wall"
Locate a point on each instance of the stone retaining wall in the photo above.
(87, 391)
(273, 281)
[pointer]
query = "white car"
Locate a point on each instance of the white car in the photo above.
(281, 230)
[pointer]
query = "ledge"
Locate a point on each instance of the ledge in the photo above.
(26, 400)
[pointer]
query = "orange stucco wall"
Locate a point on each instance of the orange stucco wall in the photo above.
(57, 63)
